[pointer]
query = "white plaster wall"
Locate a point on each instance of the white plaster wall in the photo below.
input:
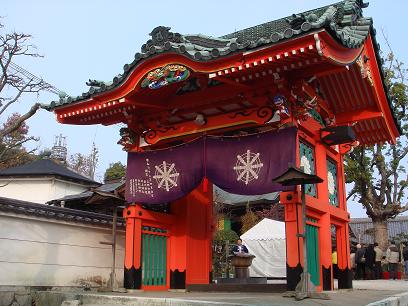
(62, 188)
(43, 252)
(38, 190)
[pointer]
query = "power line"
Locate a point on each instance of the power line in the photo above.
(48, 87)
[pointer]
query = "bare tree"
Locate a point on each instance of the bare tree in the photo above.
(14, 83)
(85, 164)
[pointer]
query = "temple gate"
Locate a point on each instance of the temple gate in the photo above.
(314, 79)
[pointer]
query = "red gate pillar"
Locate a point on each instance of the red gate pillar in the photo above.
(191, 237)
(178, 246)
(294, 255)
(343, 238)
(343, 255)
(199, 236)
(325, 240)
(325, 246)
(132, 269)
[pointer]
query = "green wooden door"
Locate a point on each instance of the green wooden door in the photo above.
(313, 253)
(154, 255)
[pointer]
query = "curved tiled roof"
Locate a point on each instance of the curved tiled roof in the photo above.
(344, 20)
(57, 213)
(45, 167)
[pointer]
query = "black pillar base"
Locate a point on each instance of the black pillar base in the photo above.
(293, 276)
(327, 279)
(345, 279)
(132, 278)
(177, 279)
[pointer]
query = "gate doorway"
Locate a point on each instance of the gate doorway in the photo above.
(313, 253)
(154, 257)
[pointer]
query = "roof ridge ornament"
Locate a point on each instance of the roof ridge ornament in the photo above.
(161, 37)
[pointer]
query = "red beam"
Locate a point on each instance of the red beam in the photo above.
(358, 115)
(142, 104)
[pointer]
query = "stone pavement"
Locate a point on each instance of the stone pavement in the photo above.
(365, 292)
(381, 284)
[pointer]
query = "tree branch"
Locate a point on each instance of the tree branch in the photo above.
(403, 209)
(19, 121)
(15, 145)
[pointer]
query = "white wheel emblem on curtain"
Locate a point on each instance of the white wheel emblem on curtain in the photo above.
(248, 166)
(166, 175)
(304, 162)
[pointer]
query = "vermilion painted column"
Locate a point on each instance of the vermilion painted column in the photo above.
(199, 235)
(132, 269)
(325, 243)
(178, 240)
(343, 238)
(325, 246)
(190, 239)
(293, 213)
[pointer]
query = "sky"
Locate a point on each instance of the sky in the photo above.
(93, 39)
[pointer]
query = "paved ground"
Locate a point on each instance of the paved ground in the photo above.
(339, 298)
(381, 284)
(365, 292)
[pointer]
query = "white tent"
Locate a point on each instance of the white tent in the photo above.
(267, 241)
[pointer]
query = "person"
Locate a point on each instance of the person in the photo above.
(405, 255)
(370, 260)
(360, 262)
(334, 263)
(393, 260)
(239, 247)
(353, 260)
(377, 264)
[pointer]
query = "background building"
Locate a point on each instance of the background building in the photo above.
(41, 181)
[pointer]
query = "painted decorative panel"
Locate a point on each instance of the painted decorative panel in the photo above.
(332, 183)
(307, 162)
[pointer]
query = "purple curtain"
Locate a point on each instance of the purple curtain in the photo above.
(248, 164)
(244, 165)
(164, 175)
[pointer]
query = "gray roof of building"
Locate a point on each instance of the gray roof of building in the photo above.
(44, 167)
(109, 187)
(236, 199)
(344, 20)
(364, 225)
(57, 213)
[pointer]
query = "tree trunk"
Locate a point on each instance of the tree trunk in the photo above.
(381, 233)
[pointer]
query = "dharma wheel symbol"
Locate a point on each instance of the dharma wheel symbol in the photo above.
(248, 166)
(166, 175)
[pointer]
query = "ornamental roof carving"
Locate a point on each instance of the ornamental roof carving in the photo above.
(343, 20)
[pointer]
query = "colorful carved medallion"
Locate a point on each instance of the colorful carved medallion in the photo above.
(164, 76)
